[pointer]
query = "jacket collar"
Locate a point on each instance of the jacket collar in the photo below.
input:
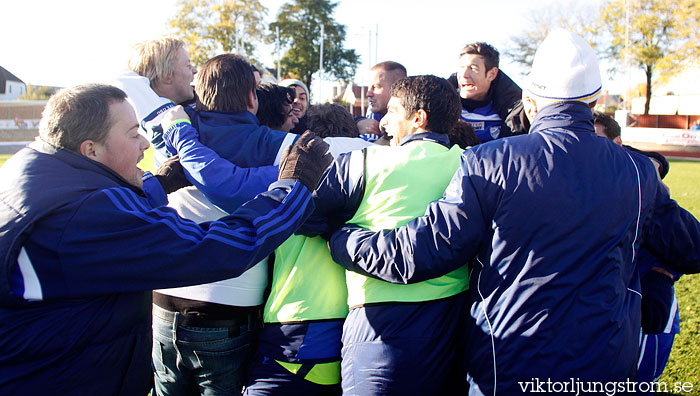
(435, 137)
(233, 117)
(79, 161)
(572, 116)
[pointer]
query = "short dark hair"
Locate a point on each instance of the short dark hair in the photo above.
(223, 84)
(432, 94)
(463, 135)
(331, 120)
(272, 100)
(391, 66)
(610, 127)
(74, 115)
(488, 52)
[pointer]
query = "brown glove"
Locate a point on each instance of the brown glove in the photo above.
(171, 176)
(306, 160)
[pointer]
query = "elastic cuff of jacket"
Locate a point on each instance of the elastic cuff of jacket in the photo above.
(172, 124)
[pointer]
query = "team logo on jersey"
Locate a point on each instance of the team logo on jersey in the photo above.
(477, 125)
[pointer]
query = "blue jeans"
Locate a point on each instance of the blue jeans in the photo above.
(199, 360)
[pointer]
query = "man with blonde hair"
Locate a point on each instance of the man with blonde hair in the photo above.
(165, 63)
(160, 77)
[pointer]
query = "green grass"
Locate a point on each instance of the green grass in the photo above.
(684, 364)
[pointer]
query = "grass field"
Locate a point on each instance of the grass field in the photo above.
(684, 364)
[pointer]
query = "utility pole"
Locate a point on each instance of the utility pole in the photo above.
(320, 69)
(376, 41)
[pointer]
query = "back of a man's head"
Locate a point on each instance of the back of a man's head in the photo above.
(609, 127)
(155, 59)
(331, 120)
(432, 94)
(397, 69)
(486, 51)
(274, 102)
(224, 83)
(80, 113)
(565, 68)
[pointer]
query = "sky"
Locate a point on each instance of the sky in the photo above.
(68, 42)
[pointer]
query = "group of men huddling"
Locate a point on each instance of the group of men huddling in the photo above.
(378, 257)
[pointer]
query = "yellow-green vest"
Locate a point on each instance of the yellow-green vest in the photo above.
(306, 283)
(400, 182)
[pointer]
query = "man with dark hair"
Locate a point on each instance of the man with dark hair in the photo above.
(84, 241)
(330, 119)
(382, 76)
(399, 339)
(275, 107)
(220, 131)
(555, 291)
(463, 135)
(606, 126)
(488, 95)
(300, 104)
(299, 345)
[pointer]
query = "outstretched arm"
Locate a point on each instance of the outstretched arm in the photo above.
(223, 183)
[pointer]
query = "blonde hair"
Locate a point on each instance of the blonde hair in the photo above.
(155, 59)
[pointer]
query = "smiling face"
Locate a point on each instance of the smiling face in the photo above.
(474, 79)
(123, 147)
(301, 101)
(290, 120)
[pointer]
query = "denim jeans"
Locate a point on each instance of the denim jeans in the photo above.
(199, 360)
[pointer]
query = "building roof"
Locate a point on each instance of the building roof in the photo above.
(7, 76)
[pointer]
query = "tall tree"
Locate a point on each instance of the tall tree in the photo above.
(210, 27)
(662, 34)
(299, 24)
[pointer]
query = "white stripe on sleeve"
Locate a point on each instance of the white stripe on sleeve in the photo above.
(32, 287)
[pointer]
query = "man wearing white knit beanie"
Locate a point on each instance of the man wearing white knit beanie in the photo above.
(555, 302)
(565, 69)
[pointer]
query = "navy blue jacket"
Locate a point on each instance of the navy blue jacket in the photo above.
(228, 156)
(554, 220)
(81, 250)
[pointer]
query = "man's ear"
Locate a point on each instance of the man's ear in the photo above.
(420, 119)
(252, 97)
(88, 148)
(530, 107)
(492, 74)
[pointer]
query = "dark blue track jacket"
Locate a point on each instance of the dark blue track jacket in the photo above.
(555, 220)
(81, 251)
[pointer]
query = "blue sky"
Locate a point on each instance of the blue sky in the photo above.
(68, 42)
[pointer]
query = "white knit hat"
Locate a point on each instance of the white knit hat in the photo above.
(290, 81)
(565, 68)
